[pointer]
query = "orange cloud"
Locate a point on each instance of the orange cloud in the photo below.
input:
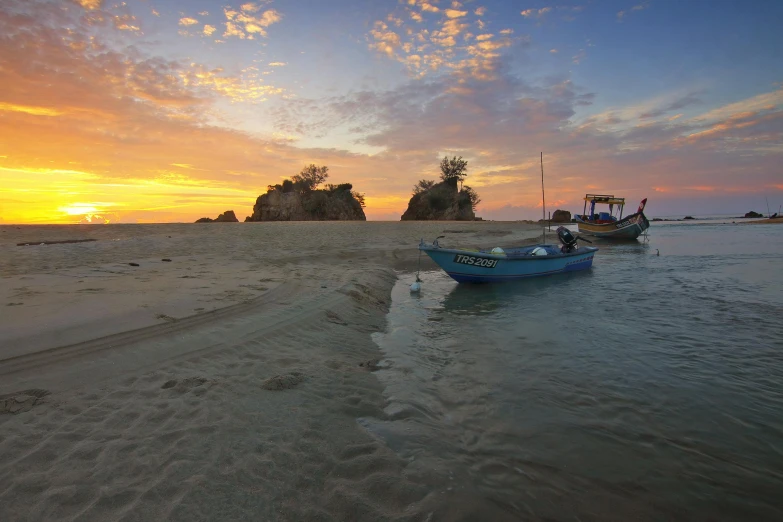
(245, 24)
(453, 13)
(90, 5)
(36, 111)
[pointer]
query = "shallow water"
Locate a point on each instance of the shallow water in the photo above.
(648, 388)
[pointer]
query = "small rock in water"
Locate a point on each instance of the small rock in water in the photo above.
(416, 287)
(166, 260)
(133, 264)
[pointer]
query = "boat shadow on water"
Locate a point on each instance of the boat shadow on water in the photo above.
(486, 299)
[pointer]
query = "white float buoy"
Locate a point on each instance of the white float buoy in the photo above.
(416, 287)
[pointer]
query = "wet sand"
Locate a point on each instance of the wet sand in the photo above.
(224, 384)
(768, 221)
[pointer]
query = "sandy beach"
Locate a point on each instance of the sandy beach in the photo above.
(768, 221)
(222, 384)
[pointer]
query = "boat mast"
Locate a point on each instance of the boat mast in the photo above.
(543, 199)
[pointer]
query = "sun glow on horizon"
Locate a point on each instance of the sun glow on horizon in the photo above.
(120, 112)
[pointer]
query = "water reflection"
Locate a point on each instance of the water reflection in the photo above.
(487, 299)
(643, 389)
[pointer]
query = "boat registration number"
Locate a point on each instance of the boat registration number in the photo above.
(475, 261)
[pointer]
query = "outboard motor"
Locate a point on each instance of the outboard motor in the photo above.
(568, 239)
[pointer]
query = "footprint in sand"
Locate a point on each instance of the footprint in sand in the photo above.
(189, 383)
(21, 401)
(371, 365)
(334, 318)
(283, 382)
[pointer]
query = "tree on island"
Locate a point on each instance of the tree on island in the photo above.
(443, 200)
(300, 198)
(453, 168)
(472, 195)
(310, 177)
(423, 185)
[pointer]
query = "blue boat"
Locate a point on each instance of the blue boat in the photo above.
(496, 265)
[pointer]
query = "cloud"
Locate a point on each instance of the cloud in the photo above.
(386, 40)
(638, 7)
(242, 88)
(760, 102)
(115, 118)
(424, 6)
(553, 51)
(453, 13)
(277, 64)
(209, 29)
(131, 135)
(680, 103)
(126, 22)
(35, 111)
(535, 13)
(186, 21)
(245, 24)
(480, 11)
(250, 7)
(578, 57)
(447, 46)
(90, 5)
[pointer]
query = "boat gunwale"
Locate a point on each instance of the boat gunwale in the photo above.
(579, 220)
(580, 251)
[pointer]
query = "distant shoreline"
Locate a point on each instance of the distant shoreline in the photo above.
(768, 221)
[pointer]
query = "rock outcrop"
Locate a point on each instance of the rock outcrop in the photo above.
(331, 204)
(752, 214)
(226, 217)
(441, 202)
(561, 216)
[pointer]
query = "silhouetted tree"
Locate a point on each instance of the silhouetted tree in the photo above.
(358, 196)
(423, 185)
(472, 195)
(310, 177)
(453, 168)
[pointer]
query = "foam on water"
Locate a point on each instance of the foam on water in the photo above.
(648, 387)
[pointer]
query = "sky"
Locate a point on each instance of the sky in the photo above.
(166, 111)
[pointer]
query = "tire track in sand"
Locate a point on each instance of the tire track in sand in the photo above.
(136, 350)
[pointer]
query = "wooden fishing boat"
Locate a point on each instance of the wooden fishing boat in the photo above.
(612, 224)
(497, 264)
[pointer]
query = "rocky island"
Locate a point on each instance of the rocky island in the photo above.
(443, 201)
(561, 216)
(300, 199)
(226, 217)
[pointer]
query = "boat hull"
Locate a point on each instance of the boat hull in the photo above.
(483, 267)
(630, 227)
